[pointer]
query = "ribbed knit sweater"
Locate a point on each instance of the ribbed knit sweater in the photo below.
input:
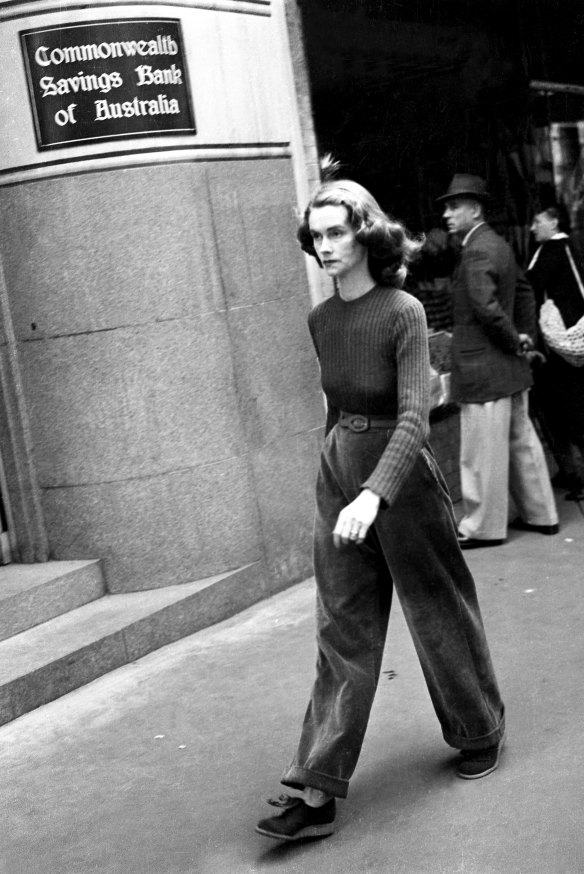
(374, 360)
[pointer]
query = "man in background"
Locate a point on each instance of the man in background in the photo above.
(494, 322)
(554, 274)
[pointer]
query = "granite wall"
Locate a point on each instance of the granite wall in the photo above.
(159, 324)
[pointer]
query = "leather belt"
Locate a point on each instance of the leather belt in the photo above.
(358, 423)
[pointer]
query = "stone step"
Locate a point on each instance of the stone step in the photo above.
(73, 649)
(31, 594)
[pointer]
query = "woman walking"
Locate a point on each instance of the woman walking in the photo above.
(383, 519)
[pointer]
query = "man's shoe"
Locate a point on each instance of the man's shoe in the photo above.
(478, 763)
(520, 525)
(299, 821)
(475, 543)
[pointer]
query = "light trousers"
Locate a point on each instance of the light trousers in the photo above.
(413, 548)
(501, 455)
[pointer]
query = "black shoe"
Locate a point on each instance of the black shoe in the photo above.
(478, 763)
(299, 821)
(520, 525)
(576, 495)
(475, 542)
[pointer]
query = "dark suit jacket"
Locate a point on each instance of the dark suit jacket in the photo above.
(493, 303)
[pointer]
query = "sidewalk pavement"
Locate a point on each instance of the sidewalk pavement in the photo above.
(162, 766)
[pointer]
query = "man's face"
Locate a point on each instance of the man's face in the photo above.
(462, 214)
(544, 227)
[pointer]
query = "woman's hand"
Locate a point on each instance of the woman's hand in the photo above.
(356, 519)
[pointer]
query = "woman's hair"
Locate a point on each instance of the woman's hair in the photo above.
(390, 246)
(437, 256)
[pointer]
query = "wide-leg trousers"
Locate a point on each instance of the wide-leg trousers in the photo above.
(501, 454)
(412, 546)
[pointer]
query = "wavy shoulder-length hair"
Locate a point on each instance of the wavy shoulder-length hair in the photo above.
(390, 246)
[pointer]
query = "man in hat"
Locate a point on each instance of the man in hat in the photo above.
(494, 320)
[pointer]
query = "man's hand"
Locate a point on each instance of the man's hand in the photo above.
(356, 519)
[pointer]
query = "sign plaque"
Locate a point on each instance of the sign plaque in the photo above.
(105, 80)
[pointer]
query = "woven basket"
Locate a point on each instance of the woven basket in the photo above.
(567, 342)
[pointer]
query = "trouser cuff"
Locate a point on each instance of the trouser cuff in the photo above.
(298, 778)
(476, 743)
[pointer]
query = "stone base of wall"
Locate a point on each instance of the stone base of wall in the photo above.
(166, 372)
(445, 441)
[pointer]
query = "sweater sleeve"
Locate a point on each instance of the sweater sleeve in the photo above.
(332, 413)
(413, 379)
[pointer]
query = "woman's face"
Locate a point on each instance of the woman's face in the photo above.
(544, 227)
(334, 240)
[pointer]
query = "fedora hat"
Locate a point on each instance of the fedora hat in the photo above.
(466, 185)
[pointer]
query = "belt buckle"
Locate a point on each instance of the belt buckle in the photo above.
(358, 423)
